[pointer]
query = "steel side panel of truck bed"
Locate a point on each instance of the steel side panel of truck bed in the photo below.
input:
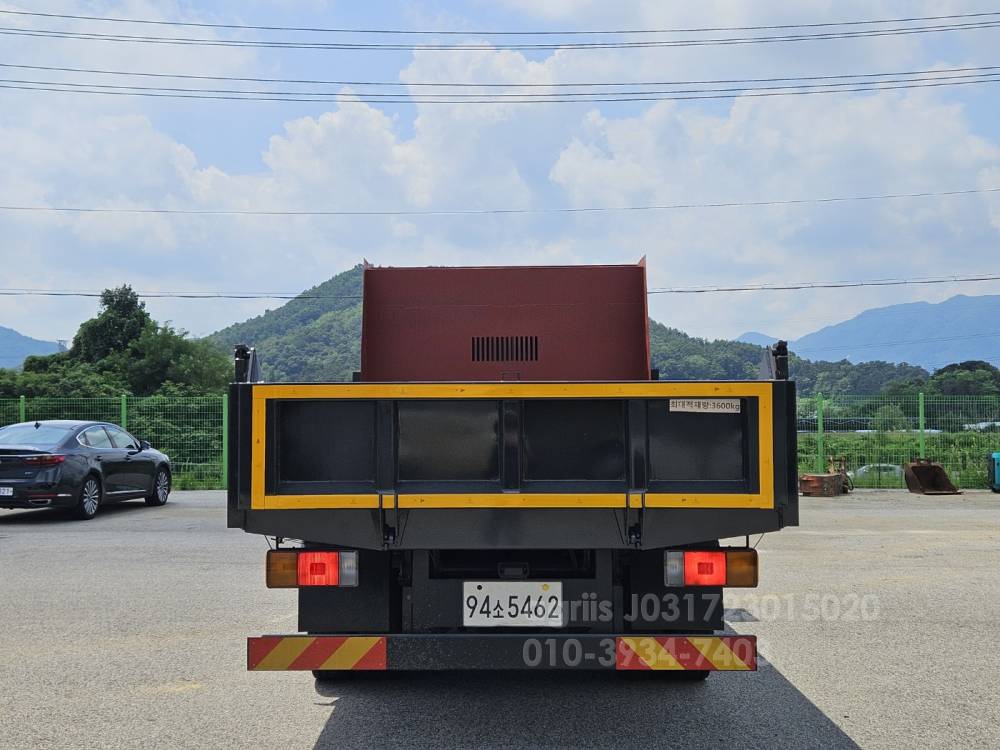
(512, 465)
(505, 323)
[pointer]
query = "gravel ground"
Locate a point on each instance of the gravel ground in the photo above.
(877, 621)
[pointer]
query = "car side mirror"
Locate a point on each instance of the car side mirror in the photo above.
(144, 446)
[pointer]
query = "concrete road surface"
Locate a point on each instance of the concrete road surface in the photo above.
(877, 618)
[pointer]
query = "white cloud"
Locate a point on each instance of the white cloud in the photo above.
(785, 150)
(79, 151)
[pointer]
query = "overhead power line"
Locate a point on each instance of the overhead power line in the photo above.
(480, 32)
(174, 295)
(520, 46)
(558, 93)
(945, 363)
(26, 292)
(826, 285)
(983, 69)
(897, 342)
(351, 99)
(512, 85)
(518, 98)
(903, 312)
(498, 211)
(632, 92)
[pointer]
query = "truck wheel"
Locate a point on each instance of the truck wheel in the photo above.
(88, 500)
(161, 488)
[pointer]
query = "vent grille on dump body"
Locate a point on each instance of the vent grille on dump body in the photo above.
(505, 348)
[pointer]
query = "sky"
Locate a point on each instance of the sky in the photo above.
(70, 149)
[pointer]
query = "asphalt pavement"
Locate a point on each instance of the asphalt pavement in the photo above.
(877, 621)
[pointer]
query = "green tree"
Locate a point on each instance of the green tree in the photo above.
(61, 375)
(162, 356)
(973, 378)
(122, 350)
(888, 418)
(121, 320)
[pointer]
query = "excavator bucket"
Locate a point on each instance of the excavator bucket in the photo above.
(926, 477)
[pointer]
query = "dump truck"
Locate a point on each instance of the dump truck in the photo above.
(507, 484)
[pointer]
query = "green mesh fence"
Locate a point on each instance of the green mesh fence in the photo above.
(9, 411)
(189, 430)
(876, 434)
(97, 409)
(879, 434)
(960, 432)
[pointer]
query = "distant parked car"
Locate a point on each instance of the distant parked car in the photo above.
(78, 465)
(873, 471)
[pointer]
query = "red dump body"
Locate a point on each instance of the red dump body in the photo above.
(505, 323)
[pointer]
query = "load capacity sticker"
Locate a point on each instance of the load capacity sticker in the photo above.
(706, 405)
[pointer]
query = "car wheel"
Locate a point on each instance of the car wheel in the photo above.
(89, 499)
(161, 488)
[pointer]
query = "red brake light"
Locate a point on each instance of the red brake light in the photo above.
(319, 568)
(704, 568)
(44, 460)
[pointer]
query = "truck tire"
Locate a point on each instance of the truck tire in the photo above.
(161, 488)
(88, 499)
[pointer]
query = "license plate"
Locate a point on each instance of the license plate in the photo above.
(6, 491)
(512, 604)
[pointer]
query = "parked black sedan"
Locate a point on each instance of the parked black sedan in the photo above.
(78, 465)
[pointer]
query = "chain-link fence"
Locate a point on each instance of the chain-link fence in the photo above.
(877, 435)
(189, 430)
(10, 410)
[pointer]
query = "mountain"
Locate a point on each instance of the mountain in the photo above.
(14, 347)
(921, 333)
(753, 337)
(682, 357)
(317, 337)
(314, 337)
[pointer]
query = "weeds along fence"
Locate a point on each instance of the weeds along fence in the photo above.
(189, 430)
(876, 434)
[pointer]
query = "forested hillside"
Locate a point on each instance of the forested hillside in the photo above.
(682, 357)
(316, 337)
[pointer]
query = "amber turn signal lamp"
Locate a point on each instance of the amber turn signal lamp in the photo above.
(741, 568)
(282, 569)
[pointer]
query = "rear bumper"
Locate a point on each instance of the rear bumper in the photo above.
(36, 496)
(502, 652)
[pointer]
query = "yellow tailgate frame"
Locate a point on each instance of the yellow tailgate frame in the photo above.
(761, 390)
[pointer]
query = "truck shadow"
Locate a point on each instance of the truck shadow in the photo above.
(573, 709)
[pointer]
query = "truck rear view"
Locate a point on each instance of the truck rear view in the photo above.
(506, 485)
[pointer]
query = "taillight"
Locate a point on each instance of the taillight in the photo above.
(46, 459)
(298, 568)
(704, 568)
(319, 568)
(727, 567)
